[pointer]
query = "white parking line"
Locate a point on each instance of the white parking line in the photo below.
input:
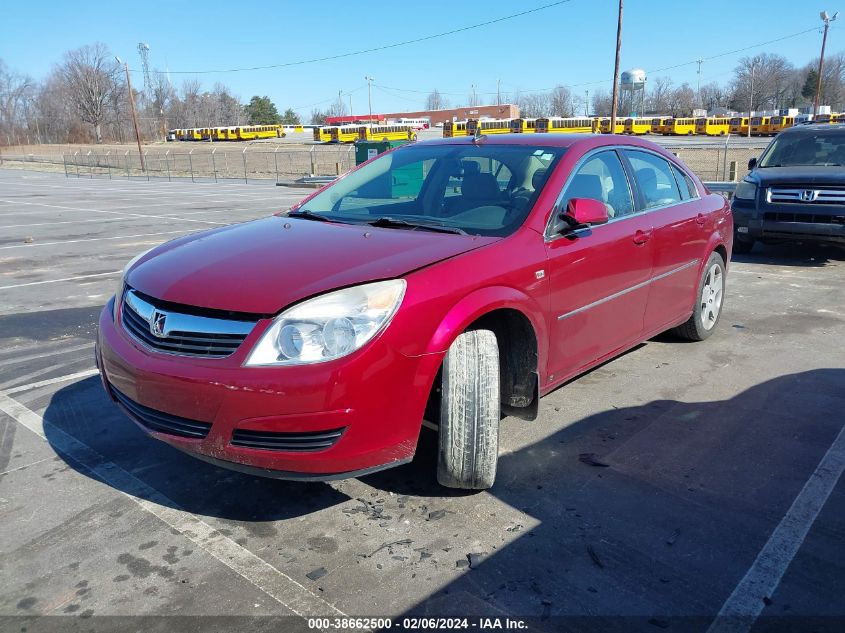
(89, 239)
(26, 226)
(745, 604)
(11, 360)
(137, 215)
(6, 386)
(267, 578)
(54, 281)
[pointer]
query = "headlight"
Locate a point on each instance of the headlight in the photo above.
(746, 190)
(329, 326)
(118, 291)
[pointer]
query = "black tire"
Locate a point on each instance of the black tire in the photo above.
(469, 412)
(742, 245)
(705, 310)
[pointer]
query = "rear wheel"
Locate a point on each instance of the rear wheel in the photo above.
(708, 305)
(469, 412)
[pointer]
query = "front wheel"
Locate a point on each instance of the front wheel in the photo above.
(742, 245)
(469, 412)
(708, 305)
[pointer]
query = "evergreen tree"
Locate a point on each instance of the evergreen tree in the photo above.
(262, 111)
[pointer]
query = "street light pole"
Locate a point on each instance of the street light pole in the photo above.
(370, 81)
(827, 19)
(615, 99)
(699, 62)
(134, 114)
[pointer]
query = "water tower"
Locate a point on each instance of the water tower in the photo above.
(633, 83)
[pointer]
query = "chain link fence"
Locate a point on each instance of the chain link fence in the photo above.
(206, 165)
(717, 161)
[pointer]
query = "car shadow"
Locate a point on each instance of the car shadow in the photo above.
(84, 412)
(792, 254)
(639, 518)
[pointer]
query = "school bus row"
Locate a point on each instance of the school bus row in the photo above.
(668, 126)
(231, 133)
(352, 133)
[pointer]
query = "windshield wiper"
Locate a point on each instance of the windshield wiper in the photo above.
(305, 214)
(388, 222)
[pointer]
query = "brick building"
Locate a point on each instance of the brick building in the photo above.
(504, 111)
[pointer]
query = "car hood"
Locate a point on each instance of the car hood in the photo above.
(766, 176)
(263, 266)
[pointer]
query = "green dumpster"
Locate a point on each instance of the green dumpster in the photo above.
(406, 181)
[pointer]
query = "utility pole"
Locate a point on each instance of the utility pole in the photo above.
(370, 81)
(751, 99)
(615, 100)
(134, 114)
(498, 92)
(586, 103)
(699, 62)
(827, 19)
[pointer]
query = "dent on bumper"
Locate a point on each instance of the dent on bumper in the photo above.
(377, 396)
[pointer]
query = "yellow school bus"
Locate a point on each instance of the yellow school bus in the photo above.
(634, 125)
(454, 128)
(604, 126)
(829, 118)
(681, 127)
(739, 125)
(488, 126)
(779, 123)
(712, 126)
(520, 126)
(386, 133)
(761, 126)
(252, 132)
(569, 125)
(323, 134)
(658, 123)
(345, 133)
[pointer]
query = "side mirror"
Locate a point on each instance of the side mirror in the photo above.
(752, 164)
(584, 212)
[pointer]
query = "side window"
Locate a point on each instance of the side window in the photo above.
(602, 178)
(654, 179)
(687, 186)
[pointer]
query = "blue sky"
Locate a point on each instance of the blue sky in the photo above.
(569, 44)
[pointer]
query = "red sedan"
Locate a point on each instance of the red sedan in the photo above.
(456, 280)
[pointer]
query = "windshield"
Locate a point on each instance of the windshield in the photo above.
(479, 189)
(823, 148)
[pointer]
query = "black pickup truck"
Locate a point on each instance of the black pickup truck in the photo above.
(795, 191)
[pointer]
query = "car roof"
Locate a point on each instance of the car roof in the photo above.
(546, 140)
(815, 127)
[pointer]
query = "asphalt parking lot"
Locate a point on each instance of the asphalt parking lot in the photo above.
(719, 488)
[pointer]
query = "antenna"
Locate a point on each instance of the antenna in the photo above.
(144, 52)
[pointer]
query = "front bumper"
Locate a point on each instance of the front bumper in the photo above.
(806, 223)
(377, 396)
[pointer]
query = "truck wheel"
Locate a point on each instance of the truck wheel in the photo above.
(742, 245)
(469, 412)
(709, 300)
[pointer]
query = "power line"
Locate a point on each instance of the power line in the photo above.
(376, 48)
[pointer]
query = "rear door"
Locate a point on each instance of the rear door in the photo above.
(598, 277)
(671, 200)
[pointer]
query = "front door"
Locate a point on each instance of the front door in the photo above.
(598, 277)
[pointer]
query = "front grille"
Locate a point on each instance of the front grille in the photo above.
(179, 333)
(275, 441)
(162, 422)
(806, 195)
(807, 218)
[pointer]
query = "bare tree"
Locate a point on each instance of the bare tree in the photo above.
(534, 105)
(657, 100)
(561, 102)
(436, 101)
(681, 101)
(771, 79)
(90, 75)
(337, 108)
(602, 102)
(16, 95)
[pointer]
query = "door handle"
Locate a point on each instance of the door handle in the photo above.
(700, 219)
(641, 237)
